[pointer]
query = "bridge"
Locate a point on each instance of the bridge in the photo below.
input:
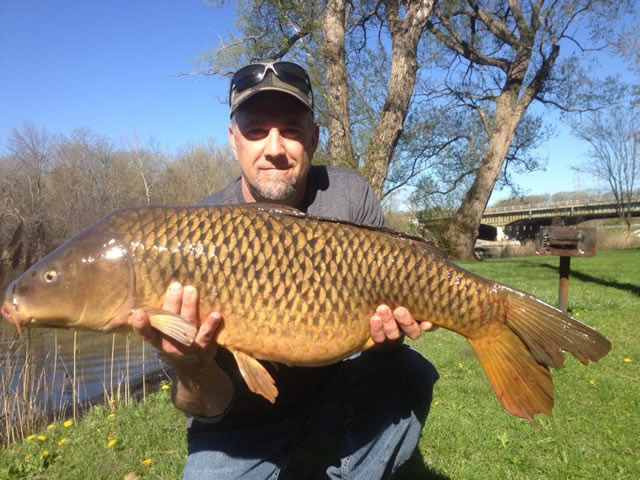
(533, 213)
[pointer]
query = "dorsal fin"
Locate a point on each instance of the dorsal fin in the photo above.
(425, 246)
(275, 208)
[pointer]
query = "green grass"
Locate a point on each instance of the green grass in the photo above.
(594, 433)
(595, 430)
(108, 443)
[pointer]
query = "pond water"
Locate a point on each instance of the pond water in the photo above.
(40, 368)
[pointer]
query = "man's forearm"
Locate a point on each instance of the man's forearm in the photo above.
(201, 388)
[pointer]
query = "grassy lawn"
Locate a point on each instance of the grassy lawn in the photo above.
(595, 431)
(146, 440)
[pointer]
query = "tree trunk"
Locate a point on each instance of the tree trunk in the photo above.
(510, 104)
(339, 144)
(463, 230)
(405, 35)
(624, 212)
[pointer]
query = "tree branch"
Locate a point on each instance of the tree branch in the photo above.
(499, 29)
(535, 16)
(463, 48)
(291, 41)
(521, 22)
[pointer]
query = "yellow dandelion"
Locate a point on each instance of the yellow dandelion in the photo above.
(577, 314)
(146, 461)
(51, 427)
(592, 382)
(627, 360)
(165, 387)
(68, 423)
(42, 438)
(436, 403)
(31, 437)
(460, 365)
(111, 443)
(111, 415)
(62, 441)
(45, 453)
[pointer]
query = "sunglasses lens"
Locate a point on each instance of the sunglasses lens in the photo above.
(288, 72)
(293, 75)
(247, 77)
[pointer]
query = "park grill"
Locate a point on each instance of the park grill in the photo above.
(566, 242)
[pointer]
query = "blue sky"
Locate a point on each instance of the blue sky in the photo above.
(111, 66)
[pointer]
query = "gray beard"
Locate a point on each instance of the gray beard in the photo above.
(278, 190)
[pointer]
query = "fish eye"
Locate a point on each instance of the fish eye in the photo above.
(50, 276)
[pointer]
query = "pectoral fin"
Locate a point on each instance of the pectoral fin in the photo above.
(172, 325)
(256, 376)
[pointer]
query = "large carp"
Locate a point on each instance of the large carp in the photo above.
(295, 289)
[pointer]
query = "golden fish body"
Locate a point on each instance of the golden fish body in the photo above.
(295, 289)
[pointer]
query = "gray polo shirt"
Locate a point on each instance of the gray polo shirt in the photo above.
(331, 192)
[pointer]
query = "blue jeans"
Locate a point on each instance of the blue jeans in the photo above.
(364, 424)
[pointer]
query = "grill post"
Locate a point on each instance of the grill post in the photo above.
(566, 242)
(563, 287)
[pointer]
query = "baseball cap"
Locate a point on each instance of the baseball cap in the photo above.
(286, 77)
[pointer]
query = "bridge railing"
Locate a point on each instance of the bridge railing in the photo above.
(550, 206)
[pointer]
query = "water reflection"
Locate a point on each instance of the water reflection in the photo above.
(42, 366)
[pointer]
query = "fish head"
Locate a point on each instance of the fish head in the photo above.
(85, 283)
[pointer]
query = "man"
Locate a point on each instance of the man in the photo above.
(365, 413)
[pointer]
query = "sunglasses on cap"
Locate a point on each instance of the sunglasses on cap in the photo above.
(253, 74)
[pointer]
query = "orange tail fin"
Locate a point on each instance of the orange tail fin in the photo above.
(535, 336)
(522, 385)
(548, 332)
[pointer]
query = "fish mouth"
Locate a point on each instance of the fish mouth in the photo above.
(14, 317)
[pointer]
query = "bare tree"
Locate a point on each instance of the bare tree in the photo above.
(9, 215)
(147, 161)
(89, 178)
(30, 155)
(502, 57)
(194, 173)
(614, 139)
(627, 44)
(31, 150)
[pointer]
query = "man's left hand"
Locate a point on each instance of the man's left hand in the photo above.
(386, 325)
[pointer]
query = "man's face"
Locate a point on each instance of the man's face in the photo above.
(273, 138)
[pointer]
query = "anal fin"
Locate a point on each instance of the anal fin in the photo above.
(255, 375)
(172, 325)
(369, 344)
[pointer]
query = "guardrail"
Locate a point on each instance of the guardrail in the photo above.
(552, 206)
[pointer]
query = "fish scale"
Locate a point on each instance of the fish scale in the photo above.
(295, 289)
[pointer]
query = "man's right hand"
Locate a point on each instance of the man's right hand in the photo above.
(184, 302)
(200, 387)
